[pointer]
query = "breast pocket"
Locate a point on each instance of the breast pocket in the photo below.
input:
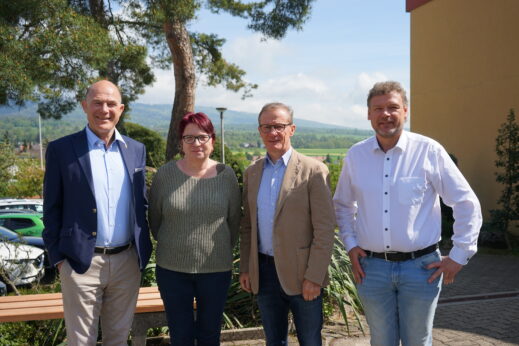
(411, 190)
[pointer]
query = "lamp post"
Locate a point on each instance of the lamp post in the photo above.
(221, 110)
(41, 144)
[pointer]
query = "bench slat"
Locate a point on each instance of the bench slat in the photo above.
(44, 306)
(31, 304)
(152, 305)
(30, 297)
(31, 314)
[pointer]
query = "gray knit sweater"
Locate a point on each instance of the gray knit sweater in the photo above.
(194, 220)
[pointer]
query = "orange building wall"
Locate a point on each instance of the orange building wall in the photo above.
(464, 80)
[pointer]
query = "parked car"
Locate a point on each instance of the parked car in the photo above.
(26, 224)
(21, 264)
(28, 204)
(13, 237)
(17, 211)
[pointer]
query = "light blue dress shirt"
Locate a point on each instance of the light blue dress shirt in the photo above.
(268, 194)
(112, 189)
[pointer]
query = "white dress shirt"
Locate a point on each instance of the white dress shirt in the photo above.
(112, 190)
(388, 201)
(268, 194)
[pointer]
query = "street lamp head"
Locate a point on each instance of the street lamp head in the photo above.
(221, 109)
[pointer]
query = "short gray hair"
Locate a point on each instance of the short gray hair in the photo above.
(384, 88)
(275, 105)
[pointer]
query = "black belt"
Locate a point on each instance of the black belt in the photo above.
(265, 258)
(112, 250)
(395, 256)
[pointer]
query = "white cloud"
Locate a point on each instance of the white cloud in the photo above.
(363, 83)
(359, 110)
(334, 99)
(255, 55)
(162, 91)
(312, 98)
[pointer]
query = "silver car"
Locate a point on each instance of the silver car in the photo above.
(21, 264)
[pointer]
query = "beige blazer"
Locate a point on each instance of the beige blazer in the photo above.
(304, 224)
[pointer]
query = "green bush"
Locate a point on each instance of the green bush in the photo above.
(241, 309)
(34, 333)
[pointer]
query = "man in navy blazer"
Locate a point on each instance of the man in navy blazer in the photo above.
(96, 231)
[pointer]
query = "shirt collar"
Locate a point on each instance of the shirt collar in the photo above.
(402, 141)
(93, 139)
(286, 157)
(401, 144)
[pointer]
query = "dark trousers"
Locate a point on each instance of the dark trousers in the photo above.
(177, 291)
(274, 305)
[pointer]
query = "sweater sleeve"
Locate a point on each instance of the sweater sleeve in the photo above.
(234, 215)
(155, 205)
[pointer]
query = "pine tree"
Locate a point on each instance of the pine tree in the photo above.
(507, 149)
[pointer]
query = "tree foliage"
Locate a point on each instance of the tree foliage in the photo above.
(48, 53)
(155, 144)
(191, 53)
(28, 181)
(7, 161)
(507, 163)
(51, 50)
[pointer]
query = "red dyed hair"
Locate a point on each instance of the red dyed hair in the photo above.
(199, 119)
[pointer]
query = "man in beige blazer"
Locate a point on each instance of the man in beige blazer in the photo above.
(287, 232)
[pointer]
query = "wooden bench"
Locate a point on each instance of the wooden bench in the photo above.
(149, 312)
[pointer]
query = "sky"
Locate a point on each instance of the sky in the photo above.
(323, 72)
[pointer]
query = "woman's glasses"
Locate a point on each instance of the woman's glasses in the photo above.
(202, 139)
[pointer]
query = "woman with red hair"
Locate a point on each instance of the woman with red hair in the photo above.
(194, 216)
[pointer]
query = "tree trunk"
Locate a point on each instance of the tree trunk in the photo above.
(97, 10)
(179, 44)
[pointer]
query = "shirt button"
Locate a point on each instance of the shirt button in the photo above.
(387, 159)
(385, 193)
(386, 175)
(387, 247)
(385, 229)
(385, 211)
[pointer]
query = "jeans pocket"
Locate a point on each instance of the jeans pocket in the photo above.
(363, 261)
(428, 259)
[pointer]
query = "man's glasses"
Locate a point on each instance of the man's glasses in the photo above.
(277, 127)
(202, 139)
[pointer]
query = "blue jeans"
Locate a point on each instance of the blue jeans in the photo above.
(177, 291)
(398, 301)
(274, 305)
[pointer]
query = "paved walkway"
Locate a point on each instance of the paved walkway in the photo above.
(480, 308)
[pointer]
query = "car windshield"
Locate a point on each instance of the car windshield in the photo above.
(22, 204)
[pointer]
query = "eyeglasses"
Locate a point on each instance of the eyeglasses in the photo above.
(277, 127)
(202, 139)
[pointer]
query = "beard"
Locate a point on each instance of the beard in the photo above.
(396, 131)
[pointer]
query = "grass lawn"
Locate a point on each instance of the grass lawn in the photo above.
(337, 153)
(323, 152)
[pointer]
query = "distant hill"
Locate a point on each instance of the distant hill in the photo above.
(158, 116)
(21, 125)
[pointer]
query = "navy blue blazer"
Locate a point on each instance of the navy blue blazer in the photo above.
(69, 206)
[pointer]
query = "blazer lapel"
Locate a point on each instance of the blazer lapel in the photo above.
(288, 181)
(254, 183)
(80, 145)
(128, 159)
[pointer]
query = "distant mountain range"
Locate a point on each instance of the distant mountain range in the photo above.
(157, 117)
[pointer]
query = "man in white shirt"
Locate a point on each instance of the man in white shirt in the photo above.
(388, 211)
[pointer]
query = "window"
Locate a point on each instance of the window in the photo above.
(21, 223)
